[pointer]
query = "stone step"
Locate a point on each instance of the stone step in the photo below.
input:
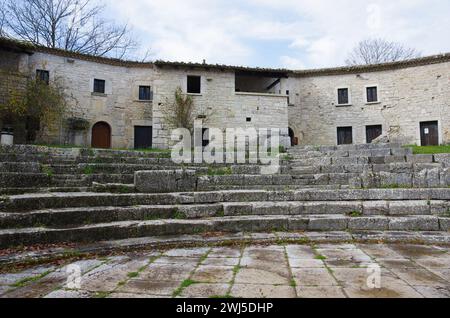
(69, 217)
(135, 229)
(19, 191)
(38, 201)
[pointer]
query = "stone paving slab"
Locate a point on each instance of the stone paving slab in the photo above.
(320, 292)
(310, 270)
(205, 290)
(262, 291)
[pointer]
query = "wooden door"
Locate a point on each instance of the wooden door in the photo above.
(143, 137)
(345, 135)
(101, 135)
(373, 132)
(429, 133)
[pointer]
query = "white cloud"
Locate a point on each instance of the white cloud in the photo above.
(306, 33)
(291, 63)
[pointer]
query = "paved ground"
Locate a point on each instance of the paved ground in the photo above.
(322, 270)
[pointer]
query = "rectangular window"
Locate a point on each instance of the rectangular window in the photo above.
(145, 93)
(343, 97)
(43, 76)
(345, 135)
(194, 85)
(372, 94)
(99, 86)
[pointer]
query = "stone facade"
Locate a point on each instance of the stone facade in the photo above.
(119, 106)
(305, 101)
(407, 97)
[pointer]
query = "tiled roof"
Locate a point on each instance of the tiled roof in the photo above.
(30, 48)
(434, 59)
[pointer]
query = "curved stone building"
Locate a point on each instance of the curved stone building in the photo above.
(123, 101)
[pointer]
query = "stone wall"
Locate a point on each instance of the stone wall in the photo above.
(13, 82)
(407, 97)
(218, 101)
(119, 107)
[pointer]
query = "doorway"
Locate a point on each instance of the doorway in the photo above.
(294, 140)
(101, 135)
(143, 137)
(373, 132)
(429, 133)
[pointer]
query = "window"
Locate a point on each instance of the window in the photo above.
(194, 85)
(343, 96)
(43, 76)
(372, 94)
(344, 135)
(249, 119)
(288, 97)
(99, 86)
(145, 93)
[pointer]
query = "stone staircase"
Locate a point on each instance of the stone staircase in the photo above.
(314, 191)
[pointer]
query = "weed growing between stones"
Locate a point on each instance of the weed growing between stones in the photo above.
(28, 280)
(47, 170)
(178, 215)
(320, 257)
(133, 274)
(219, 171)
(88, 170)
(355, 214)
(185, 284)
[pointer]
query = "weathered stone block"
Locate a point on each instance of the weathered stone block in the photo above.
(375, 208)
(237, 209)
(279, 180)
(394, 159)
(409, 208)
(163, 181)
(444, 224)
(298, 224)
(368, 224)
(440, 207)
(328, 224)
(332, 207)
(419, 158)
(395, 179)
(376, 160)
(444, 177)
(257, 180)
(443, 159)
(433, 178)
(423, 223)
(244, 196)
(401, 167)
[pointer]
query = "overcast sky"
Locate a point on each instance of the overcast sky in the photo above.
(281, 33)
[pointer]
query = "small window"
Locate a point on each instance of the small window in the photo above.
(288, 97)
(345, 135)
(43, 76)
(145, 93)
(249, 119)
(343, 97)
(194, 85)
(372, 94)
(99, 86)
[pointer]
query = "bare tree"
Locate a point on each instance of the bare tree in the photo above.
(375, 51)
(75, 25)
(2, 18)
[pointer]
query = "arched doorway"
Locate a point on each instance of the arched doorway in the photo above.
(294, 141)
(101, 135)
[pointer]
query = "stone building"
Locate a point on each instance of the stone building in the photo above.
(123, 101)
